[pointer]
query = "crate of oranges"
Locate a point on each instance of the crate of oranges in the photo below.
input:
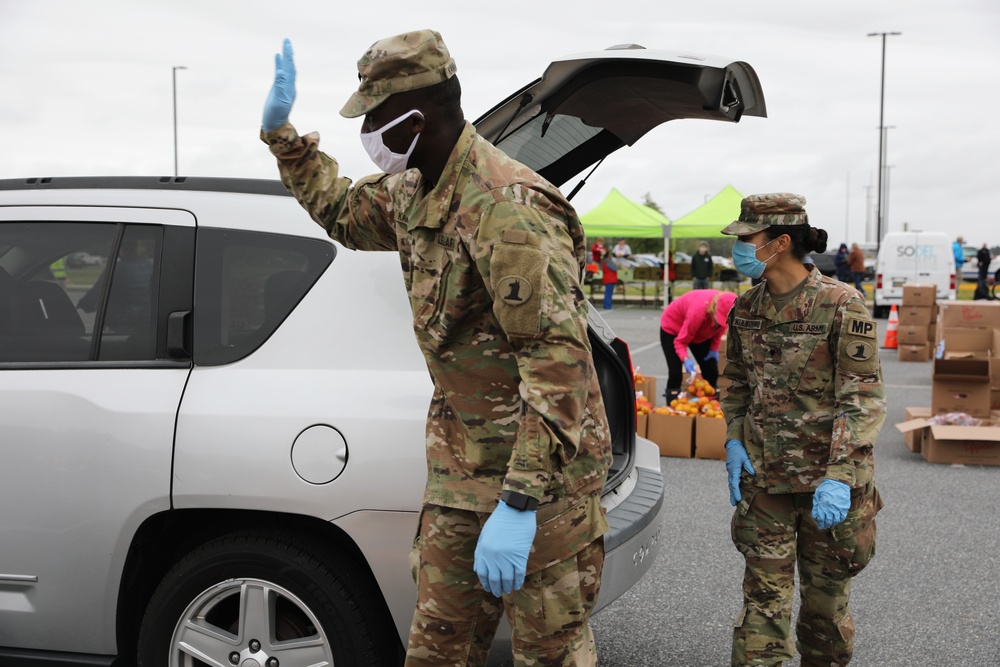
(699, 401)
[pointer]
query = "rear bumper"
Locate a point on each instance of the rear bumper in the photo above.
(634, 512)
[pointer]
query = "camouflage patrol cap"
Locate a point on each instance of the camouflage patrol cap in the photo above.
(758, 212)
(395, 64)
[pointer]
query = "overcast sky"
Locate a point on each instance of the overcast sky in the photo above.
(87, 91)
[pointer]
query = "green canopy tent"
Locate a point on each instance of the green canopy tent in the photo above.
(620, 217)
(708, 220)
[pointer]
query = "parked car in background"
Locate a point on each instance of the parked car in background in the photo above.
(824, 261)
(214, 438)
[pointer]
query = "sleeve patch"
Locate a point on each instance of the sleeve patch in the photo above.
(517, 272)
(857, 326)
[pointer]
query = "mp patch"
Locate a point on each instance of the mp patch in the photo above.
(856, 326)
(514, 290)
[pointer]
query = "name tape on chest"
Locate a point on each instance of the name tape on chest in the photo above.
(746, 324)
(446, 241)
(809, 328)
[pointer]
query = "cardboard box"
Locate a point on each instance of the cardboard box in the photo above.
(915, 352)
(914, 437)
(672, 433)
(970, 445)
(961, 385)
(913, 315)
(912, 334)
(710, 438)
(640, 424)
(919, 295)
(995, 400)
(970, 314)
(967, 342)
(647, 389)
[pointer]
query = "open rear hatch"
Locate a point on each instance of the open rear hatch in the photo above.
(588, 105)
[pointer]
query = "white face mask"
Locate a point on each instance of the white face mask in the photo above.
(385, 159)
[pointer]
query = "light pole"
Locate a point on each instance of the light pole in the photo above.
(175, 115)
(881, 108)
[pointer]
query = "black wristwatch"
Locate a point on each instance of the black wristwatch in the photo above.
(519, 501)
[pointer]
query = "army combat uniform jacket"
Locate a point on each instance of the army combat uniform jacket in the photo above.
(491, 256)
(807, 399)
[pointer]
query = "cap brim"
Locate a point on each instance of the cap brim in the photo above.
(739, 228)
(360, 104)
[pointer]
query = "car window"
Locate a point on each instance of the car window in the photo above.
(246, 284)
(128, 330)
(54, 296)
(45, 269)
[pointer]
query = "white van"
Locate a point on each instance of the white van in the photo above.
(913, 257)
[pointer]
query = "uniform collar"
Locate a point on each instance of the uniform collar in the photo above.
(795, 311)
(438, 201)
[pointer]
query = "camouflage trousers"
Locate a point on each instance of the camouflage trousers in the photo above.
(455, 619)
(776, 532)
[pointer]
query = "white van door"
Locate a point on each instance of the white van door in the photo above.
(914, 258)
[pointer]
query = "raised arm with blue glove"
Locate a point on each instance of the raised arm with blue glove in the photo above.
(501, 559)
(737, 460)
(712, 354)
(282, 95)
(689, 365)
(831, 501)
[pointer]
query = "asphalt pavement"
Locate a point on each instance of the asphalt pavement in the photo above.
(930, 597)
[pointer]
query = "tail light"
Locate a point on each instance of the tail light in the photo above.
(622, 346)
(878, 281)
(952, 281)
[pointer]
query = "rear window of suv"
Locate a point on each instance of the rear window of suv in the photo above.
(246, 284)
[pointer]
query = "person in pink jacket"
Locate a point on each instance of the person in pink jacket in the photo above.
(695, 320)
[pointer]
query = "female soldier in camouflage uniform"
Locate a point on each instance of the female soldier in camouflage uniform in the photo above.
(803, 414)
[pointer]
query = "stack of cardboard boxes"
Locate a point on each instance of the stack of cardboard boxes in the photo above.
(965, 379)
(684, 436)
(917, 323)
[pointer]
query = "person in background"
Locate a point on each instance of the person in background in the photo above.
(609, 276)
(701, 268)
(959, 253)
(840, 262)
(695, 320)
(597, 251)
(802, 416)
(518, 447)
(984, 258)
(856, 262)
(621, 250)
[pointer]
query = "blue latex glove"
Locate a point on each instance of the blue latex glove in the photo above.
(689, 365)
(282, 95)
(830, 503)
(502, 552)
(712, 354)
(737, 461)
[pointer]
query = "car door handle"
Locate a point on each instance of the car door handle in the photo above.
(179, 334)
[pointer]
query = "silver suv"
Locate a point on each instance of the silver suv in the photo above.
(213, 415)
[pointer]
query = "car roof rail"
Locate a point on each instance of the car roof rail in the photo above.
(259, 186)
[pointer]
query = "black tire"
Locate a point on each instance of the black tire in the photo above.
(879, 312)
(304, 594)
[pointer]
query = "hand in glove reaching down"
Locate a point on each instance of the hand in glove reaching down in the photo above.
(831, 501)
(737, 461)
(501, 559)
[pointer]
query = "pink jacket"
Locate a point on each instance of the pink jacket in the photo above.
(687, 318)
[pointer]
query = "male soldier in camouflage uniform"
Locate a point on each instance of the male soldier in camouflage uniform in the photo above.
(517, 441)
(803, 414)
